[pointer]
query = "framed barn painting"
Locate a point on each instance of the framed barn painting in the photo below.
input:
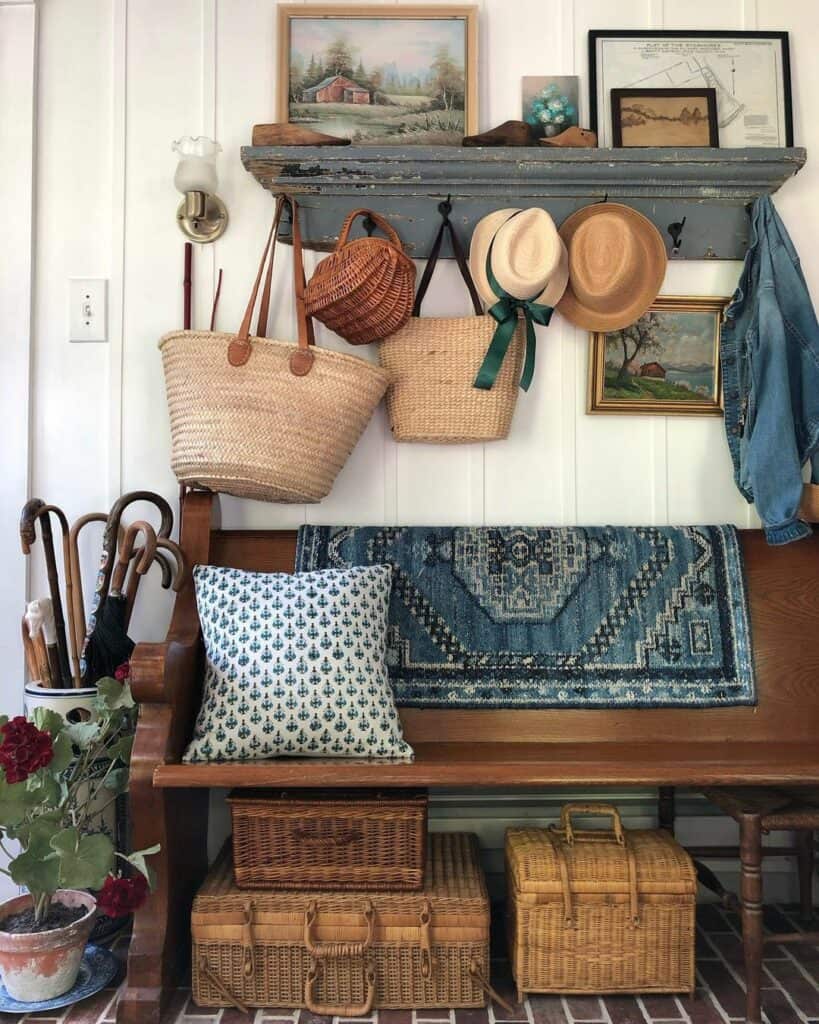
(667, 363)
(381, 74)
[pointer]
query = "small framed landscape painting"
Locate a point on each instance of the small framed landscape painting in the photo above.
(380, 74)
(667, 363)
(664, 117)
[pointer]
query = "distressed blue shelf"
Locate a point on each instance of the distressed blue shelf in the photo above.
(709, 187)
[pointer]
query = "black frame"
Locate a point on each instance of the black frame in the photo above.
(707, 94)
(608, 33)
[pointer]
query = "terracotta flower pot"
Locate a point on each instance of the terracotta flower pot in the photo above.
(43, 965)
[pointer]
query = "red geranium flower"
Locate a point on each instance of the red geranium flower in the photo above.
(123, 672)
(24, 749)
(122, 896)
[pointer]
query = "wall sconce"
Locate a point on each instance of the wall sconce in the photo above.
(202, 216)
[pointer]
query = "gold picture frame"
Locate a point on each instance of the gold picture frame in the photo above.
(388, 118)
(673, 370)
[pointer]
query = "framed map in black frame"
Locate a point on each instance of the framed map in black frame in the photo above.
(678, 118)
(750, 72)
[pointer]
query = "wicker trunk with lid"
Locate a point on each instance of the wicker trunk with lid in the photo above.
(599, 911)
(343, 953)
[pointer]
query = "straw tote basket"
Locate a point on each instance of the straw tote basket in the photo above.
(433, 362)
(363, 291)
(261, 418)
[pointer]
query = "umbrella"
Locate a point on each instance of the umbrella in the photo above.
(110, 541)
(34, 510)
(109, 645)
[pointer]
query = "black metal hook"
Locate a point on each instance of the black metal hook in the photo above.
(605, 198)
(369, 225)
(445, 208)
(675, 230)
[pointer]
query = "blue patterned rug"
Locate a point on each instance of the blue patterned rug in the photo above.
(493, 617)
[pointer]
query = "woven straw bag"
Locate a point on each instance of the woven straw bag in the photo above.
(364, 290)
(261, 418)
(433, 362)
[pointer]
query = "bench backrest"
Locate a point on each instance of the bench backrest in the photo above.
(783, 589)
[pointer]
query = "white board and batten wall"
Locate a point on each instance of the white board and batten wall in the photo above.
(119, 79)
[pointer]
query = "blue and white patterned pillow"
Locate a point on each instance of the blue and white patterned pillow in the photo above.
(295, 665)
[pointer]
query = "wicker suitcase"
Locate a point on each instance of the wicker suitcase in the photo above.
(599, 911)
(317, 839)
(341, 954)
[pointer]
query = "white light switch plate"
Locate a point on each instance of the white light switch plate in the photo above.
(86, 309)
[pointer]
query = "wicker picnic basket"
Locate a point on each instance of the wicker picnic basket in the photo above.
(432, 364)
(364, 289)
(342, 954)
(315, 839)
(599, 911)
(261, 418)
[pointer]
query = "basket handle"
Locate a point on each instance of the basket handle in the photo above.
(432, 260)
(385, 226)
(329, 1010)
(607, 810)
(239, 349)
(334, 950)
(342, 839)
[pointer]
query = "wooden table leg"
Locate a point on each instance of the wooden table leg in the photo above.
(666, 810)
(804, 844)
(750, 852)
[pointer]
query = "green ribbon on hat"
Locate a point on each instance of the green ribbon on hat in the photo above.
(506, 311)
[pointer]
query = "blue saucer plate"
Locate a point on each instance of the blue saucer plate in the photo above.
(98, 968)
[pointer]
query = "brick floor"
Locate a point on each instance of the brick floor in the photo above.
(790, 993)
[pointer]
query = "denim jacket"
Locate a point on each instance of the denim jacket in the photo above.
(770, 365)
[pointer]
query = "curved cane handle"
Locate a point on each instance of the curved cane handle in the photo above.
(334, 950)
(327, 1010)
(607, 810)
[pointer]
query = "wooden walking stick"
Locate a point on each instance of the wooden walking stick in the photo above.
(33, 510)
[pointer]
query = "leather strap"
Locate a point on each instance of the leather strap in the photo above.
(460, 259)
(239, 349)
(220, 986)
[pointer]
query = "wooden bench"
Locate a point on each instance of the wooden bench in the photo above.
(774, 743)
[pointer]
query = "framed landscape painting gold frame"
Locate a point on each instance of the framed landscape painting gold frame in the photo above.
(665, 364)
(349, 71)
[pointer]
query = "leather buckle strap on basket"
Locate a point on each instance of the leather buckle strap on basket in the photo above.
(364, 289)
(262, 418)
(433, 362)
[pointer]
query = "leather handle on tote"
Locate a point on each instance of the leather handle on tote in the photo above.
(385, 226)
(460, 260)
(239, 348)
(607, 810)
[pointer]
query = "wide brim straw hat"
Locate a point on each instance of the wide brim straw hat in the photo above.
(528, 258)
(617, 263)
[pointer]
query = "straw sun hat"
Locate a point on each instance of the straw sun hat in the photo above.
(528, 259)
(617, 262)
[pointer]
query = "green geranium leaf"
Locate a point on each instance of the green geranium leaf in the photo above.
(14, 801)
(113, 694)
(63, 753)
(36, 872)
(122, 749)
(83, 734)
(137, 860)
(117, 780)
(44, 790)
(84, 861)
(49, 721)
